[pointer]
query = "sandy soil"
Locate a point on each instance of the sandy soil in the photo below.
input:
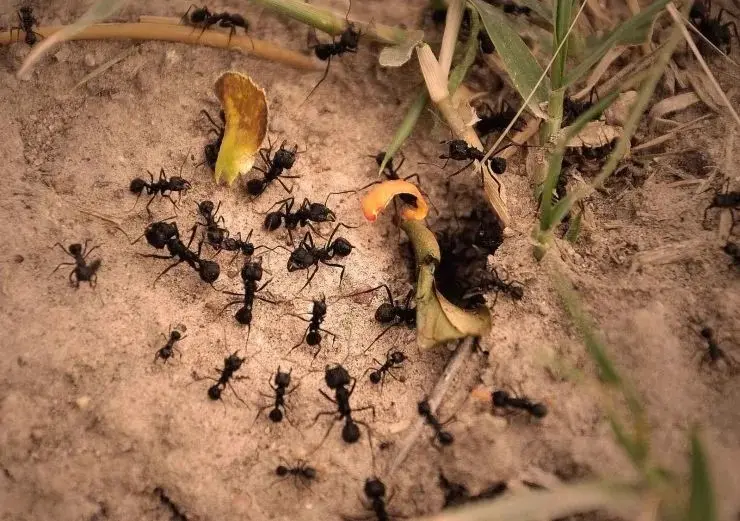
(89, 426)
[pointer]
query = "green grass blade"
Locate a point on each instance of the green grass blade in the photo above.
(563, 15)
(541, 8)
(702, 506)
(519, 62)
(626, 32)
(407, 126)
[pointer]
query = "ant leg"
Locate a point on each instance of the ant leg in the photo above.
(84, 256)
(63, 248)
(148, 211)
(309, 279)
(335, 231)
(303, 337)
(376, 288)
(341, 274)
(169, 196)
(235, 393)
(232, 303)
(459, 171)
(165, 271)
(289, 190)
(323, 77)
(286, 203)
(256, 416)
(62, 264)
(379, 337)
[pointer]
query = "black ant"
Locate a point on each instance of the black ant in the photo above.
(714, 351)
(162, 185)
(82, 272)
(503, 399)
(442, 436)
(489, 280)
(167, 351)
(207, 269)
(232, 364)
(393, 359)
(251, 273)
(391, 312)
(512, 8)
(239, 245)
(337, 379)
(215, 234)
(348, 42)
(729, 200)
(733, 250)
(301, 472)
(307, 254)
(282, 382)
(375, 492)
(572, 108)
(312, 335)
(307, 213)
(27, 21)
(495, 121)
(284, 159)
(177, 514)
(457, 494)
(460, 150)
(204, 18)
(712, 28)
(210, 150)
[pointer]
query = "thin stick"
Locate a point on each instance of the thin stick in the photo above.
(183, 34)
(455, 364)
(690, 41)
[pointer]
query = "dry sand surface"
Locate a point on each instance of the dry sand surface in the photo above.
(89, 425)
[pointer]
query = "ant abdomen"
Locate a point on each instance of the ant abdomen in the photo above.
(255, 186)
(209, 271)
(375, 377)
(273, 221)
(385, 313)
(214, 392)
(244, 316)
(350, 432)
(276, 415)
(313, 338)
(342, 247)
(137, 185)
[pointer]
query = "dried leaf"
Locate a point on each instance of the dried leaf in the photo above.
(618, 112)
(673, 104)
(383, 193)
(397, 55)
(245, 107)
(594, 134)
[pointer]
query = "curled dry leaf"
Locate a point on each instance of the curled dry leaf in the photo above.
(245, 108)
(383, 193)
(618, 112)
(397, 55)
(672, 104)
(437, 319)
(594, 134)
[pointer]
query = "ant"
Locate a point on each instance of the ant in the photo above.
(282, 382)
(27, 21)
(712, 28)
(301, 472)
(251, 273)
(82, 270)
(375, 492)
(307, 254)
(312, 335)
(457, 494)
(177, 514)
(348, 42)
(307, 213)
(393, 359)
(714, 352)
(210, 150)
(162, 185)
(203, 17)
(729, 200)
(207, 269)
(733, 250)
(232, 364)
(572, 108)
(495, 121)
(239, 245)
(489, 280)
(337, 379)
(166, 352)
(512, 8)
(284, 159)
(442, 436)
(391, 312)
(505, 400)
(215, 234)
(460, 150)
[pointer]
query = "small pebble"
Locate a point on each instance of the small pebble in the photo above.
(90, 60)
(82, 402)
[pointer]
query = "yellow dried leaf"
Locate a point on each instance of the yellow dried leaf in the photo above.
(245, 108)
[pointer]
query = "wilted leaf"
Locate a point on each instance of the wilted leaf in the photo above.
(518, 60)
(594, 134)
(437, 319)
(672, 104)
(383, 193)
(397, 55)
(245, 108)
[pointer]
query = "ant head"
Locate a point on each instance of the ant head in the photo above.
(230, 244)
(397, 357)
(320, 213)
(209, 271)
(517, 292)
(342, 247)
(273, 221)
(350, 432)
(251, 271)
(255, 186)
(445, 438)
(349, 38)
(374, 488)
(313, 338)
(319, 306)
(244, 316)
(75, 249)
(336, 377)
(137, 185)
(706, 332)
(424, 408)
(281, 470)
(309, 472)
(233, 362)
(300, 259)
(178, 184)
(175, 335)
(375, 377)
(385, 313)
(497, 164)
(458, 150)
(282, 379)
(214, 392)
(500, 398)
(206, 207)
(199, 15)
(539, 410)
(276, 415)
(284, 157)
(157, 234)
(247, 248)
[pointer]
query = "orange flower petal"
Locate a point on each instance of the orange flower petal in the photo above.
(383, 193)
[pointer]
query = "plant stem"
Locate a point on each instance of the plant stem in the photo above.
(184, 34)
